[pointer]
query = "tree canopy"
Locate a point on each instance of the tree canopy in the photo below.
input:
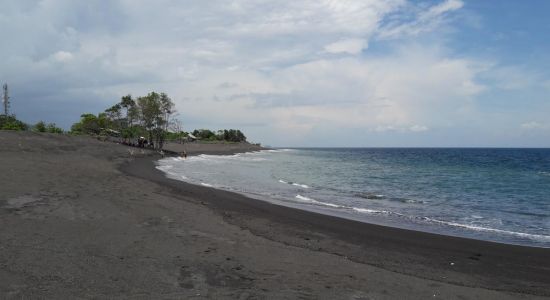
(229, 135)
(10, 122)
(130, 118)
(150, 116)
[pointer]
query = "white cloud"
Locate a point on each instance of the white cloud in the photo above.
(512, 77)
(424, 20)
(534, 125)
(351, 46)
(287, 67)
(62, 56)
(410, 90)
(418, 128)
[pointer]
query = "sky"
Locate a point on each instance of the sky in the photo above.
(332, 73)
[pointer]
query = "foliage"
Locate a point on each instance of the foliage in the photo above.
(233, 135)
(52, 128)
(150, 116)
(89, 124)
(155, 112)
(41, 126)
(204, 134)
(145, 116)
(11, 123)
(228, 135)
(175, 136)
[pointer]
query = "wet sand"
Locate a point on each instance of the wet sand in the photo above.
(90, 219)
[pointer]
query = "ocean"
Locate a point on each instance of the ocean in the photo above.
(500, 195)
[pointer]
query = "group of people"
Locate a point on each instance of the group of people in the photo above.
(141, 143)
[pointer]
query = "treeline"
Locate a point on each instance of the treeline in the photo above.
(229, 135)
(148, 116)
(12, 123)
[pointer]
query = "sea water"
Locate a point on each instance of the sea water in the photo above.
(500, 195)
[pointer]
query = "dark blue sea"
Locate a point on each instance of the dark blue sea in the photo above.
(500, 195)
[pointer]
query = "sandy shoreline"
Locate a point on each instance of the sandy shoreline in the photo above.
(83, 218)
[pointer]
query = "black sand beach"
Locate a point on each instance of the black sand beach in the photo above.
(80, 218)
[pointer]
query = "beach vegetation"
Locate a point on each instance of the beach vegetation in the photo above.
(150, 117)
(52, 128)
(41, 126)
(176, 136)
(227, 135)
(155, 111)
(10, 122)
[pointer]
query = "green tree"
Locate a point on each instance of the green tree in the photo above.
(129, 105)
(52, 128)
(40, 127)
(10, 122)
(114, 115)
(155, 111)
(150, 112)
(88, 124)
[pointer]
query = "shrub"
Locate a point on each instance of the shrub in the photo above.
(40, 127)
(11, 123)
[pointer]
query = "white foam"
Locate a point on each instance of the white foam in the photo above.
(206, 184)
(294, 184)
(224, 158)
(536, 237)
(313, 201)
(164, 168)
(365, 210)
(277, 150)
(373, 211)
(416, 201)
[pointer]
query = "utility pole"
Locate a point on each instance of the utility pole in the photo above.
(6, 100)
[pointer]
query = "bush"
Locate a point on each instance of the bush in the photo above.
(40, 127)
(11, 123)
(52, 128)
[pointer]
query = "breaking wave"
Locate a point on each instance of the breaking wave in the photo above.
(313, 201)
(294, 184)
(536, 237)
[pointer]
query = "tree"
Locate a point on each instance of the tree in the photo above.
(40, 127)
(89, 124)
(52, 128)
(148, 115)
(129, 104)
(10, 122)
(167, 110)
(150, 112)
(114, 115)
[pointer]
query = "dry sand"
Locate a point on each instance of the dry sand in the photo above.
(80, 218)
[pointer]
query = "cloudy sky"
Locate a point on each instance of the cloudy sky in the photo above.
(293, 73)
